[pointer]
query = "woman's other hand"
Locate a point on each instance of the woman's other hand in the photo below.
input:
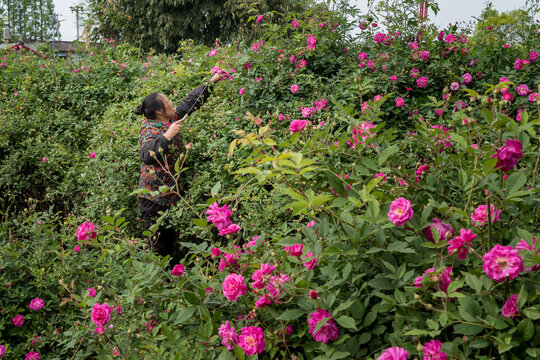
(174, 129)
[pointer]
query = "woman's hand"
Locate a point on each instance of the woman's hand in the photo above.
(174, 129)
(216, 78)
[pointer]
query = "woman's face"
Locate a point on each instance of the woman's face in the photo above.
(168, 107)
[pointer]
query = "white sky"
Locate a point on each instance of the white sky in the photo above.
(450, 11)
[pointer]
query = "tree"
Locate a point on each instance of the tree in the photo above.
(161, 25)
(29, 19)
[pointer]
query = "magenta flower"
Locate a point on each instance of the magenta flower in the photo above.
(424, 55)
(32, 355)
(92, 155)
(215, 252)
(508, 155)
(523, 245)
(294, 88)
(400, 102)
(297, 125)
(247, 65)
(444, 231)
(533, 96)
(533, 56)
(380, 37)
(432, 351)
(260, 276)
(86, 231)
(362, 56)
(312, 42)
(414, 45)
(178, 270)
(252, 340)
(327, 332)
(213, 52)
(101, 314)
(461, 243)
(441, 281)
(422, 82)
(400, 211)
(310, 264)
(259, 18)
(480, 215)
(313, 294)
(294, 24)
(295, 250)
(393, 78)
(510, 308)
(450, 38)
(18, 320)
(467, 78)
(91, 292)
(230, 229)
(230, 260)
(36, 304)
(502, 262)
(233, 286)
(2, 350)
(241, 91)
(522, 90)
(228, 335)
(394, 353)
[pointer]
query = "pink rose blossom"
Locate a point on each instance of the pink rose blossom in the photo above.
(215, 252)
(533, 96)
(241, 91)
(260, 276)
(400, 102)
(32, 355)
(178, 270)
(259, 18)
(450, 38)
(91, 292)
(327, 332)
(233, 286)
(424, 55)
(362, 56)
(467, 78)
(101, 314)
(444, 231)
(480, 215)
(422, 82)
(100, 329)
(502, 262)
(313, 294)
(310, 264)
(230, 260)
(301, 63)
(311, 223)
(414, 45)
(230, 229)
(523, 245)
(461, 243)
(228, 335)
(454, 86)
(18, 320)
(252, 340)
(312, 42)
(297, 125)
(295, 250)
(508, 96)
(400, 211)
(510, 308)
(294, 24)
(247, 65)
(2, 350)
(294, 88)
(393, 78)
(381, 175)
(432, 351)
(522, 90)
(533, 56)
(86, 231)
(213, 52)
(36, 304)
(92, 155)
(508, 155)
(394, 353)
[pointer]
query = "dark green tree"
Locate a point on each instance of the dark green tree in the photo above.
(162, 24)
(29, 19)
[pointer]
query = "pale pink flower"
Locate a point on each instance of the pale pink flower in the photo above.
(310, 264)
(178, 270)
(294, 88)
(480, 215)
(36, 304)
(327, 332)
(400, 102)
(233, 286)
(228, 335)
(252, 340)
(394, 353)
(297, 125)
(295, 250)
(454, 86)
(101, 314)
(400, 211)
(461, 243)
(18, 320)
(432, 351)
(502, 262)
(510, 308)
(86, 231)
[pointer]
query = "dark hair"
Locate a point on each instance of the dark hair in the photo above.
(150, 104)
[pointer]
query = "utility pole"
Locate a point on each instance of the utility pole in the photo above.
(76, 9)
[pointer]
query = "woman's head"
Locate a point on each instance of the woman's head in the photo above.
(151, 103)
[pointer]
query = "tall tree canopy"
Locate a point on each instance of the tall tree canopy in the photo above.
(29, 19)
(162, 24)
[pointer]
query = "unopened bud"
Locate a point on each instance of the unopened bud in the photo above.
(151, 153)
(160, 150)
(429, 306)
(419, 347)
(181, 157)
(189, 146)
(416, 297)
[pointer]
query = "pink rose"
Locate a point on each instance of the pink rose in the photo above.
(228, 335)
(100, 330)
(480, 215)
(310, 264)
(432, 351)
(400, 102)
(454, 86)
(394, 353)
(86, 231)
(422, 82)
(259, 18)
(508, 155)
(327, 332)
(313, 294)
(297, 125)
(91, 292)
(461, 243)
(424, 55)
(230, 229)
(508, 97)
(510, 308)
(101, 314)
(233, 287)
(76, 249)
(311, 223)
(178, 270)
(2, 350)
(295, 250)
(92, 155)
(216, 252)
(294, 24)
(36, 304)
(18, 320)
(522, 90)
(502, 262)
(523, 245)
(32, 355)
(393, 78)
(294, 89)
(252, 340)
(241, 91)
(467, 78)
(260, 276)
(400, 211)
(443, 230)
(414, 45)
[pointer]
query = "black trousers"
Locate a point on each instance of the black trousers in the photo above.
(164, 239)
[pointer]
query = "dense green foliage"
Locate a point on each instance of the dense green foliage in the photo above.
(276, 183)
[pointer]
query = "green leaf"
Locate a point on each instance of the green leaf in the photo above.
(515, 182)
(386, 153)
(416, 332)
(192, 298)
(185, 315)
(347, 322)
(467, 329)
(226, 355)
(489, 165)
(531, 313)
(293, 314)
(525, 329)
(200, 222)
(215, 189)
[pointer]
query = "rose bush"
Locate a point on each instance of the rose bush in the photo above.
(370, 228)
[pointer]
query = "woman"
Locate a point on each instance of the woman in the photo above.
(160, 143)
